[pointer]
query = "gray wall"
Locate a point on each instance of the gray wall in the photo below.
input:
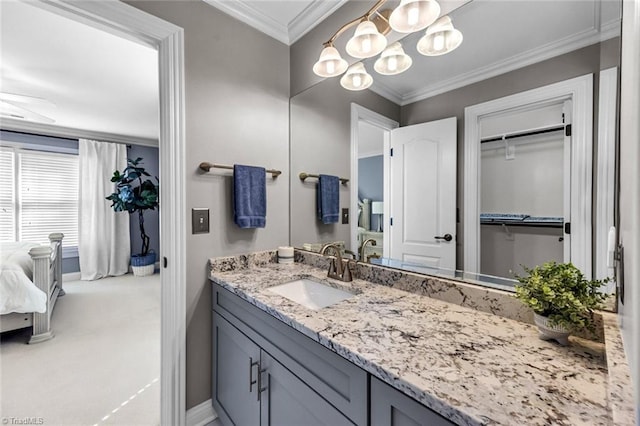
(371, 178)
(629, 210)
(150, 162)
(320, 143)
(590, 59)
(237, 111)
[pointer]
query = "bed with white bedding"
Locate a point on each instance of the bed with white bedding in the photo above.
(30, 283)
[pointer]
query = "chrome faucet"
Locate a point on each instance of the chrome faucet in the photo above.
(363, 258)
(336, 270)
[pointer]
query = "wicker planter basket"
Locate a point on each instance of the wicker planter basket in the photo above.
(143, 265)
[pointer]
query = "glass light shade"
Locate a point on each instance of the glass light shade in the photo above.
(377, 207)
(366, 41)
(414, 15)
(356, 78)
(440, 38)
(330, 63)
(393, 60)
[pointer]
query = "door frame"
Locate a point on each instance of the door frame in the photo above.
(580, 91)
(126, 21)
(360, 113)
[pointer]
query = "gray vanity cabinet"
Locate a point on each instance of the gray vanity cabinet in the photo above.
(300, 376)
(236, 361)
(250, 387)
(288, 401)
(390, 407)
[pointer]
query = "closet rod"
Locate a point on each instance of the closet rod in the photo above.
(208, 166)
(528, 224)
(304, 176)
(522, 134)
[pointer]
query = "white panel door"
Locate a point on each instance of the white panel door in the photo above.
(423, 194)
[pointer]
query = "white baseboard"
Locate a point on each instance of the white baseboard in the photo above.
(201, 414)
(70, 276)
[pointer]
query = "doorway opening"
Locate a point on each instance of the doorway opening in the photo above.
(578, 91)
(131, 23)
(370, 150)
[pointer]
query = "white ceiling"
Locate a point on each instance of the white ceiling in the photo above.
(370, 140)
(104, 83)
(94, 80)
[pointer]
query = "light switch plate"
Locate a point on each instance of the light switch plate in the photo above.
(199, 221)
(345, 216)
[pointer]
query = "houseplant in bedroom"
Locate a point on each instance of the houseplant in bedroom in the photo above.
(562, 299)
(136, 193)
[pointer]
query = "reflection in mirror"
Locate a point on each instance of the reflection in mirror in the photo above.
(508, 48)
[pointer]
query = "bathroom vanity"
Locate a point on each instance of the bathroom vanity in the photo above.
(386, 356)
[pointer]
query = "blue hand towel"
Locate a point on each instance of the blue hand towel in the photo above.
(328, 197)
(250, 196)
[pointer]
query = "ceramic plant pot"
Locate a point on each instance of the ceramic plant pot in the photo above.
(546, 331)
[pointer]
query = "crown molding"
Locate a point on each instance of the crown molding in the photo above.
(252, 17)
(304, 22)
(311, 16)
(69, 132)
(548, 51)
(387, 92)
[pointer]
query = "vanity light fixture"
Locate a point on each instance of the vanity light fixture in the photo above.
(366, 42)
(393, 60)
(440, 38)
(414, 15)
(369, 40)
(356, 78)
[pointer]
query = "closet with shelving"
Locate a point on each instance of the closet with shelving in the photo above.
(524, 189)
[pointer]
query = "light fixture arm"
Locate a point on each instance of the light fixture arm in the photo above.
(359, 19)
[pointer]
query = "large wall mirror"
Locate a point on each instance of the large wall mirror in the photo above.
(526, 185)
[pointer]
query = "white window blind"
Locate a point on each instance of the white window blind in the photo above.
(7, 195)
(47, 196)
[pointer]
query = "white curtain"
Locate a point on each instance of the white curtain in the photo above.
(104, 245)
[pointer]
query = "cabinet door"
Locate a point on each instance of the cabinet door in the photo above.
(236, 364)
(390, 407)
(288, 401)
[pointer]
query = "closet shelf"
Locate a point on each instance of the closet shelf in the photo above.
(521, 220)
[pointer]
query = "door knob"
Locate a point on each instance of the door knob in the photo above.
(446, 237)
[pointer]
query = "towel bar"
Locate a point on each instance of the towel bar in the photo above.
(208, 166)
(304, 175)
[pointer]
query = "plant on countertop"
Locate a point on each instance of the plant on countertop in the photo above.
(560, 292)
(135, 194)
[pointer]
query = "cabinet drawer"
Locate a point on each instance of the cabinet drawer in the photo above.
(337, 380)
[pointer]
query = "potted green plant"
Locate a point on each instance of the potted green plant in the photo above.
(135, 193)
(561, 297)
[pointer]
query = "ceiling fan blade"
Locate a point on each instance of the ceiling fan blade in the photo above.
(11, 110)
(25, 99)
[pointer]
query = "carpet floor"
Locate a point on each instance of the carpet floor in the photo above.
(102, 366)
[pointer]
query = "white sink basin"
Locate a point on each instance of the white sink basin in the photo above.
(311, 294)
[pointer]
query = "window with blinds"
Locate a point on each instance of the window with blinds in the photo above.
(44, 196)
(7, 195)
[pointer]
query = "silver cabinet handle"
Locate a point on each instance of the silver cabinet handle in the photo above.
(260, 388)
(251, 381)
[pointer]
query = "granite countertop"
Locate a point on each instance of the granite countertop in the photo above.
(472, 367)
